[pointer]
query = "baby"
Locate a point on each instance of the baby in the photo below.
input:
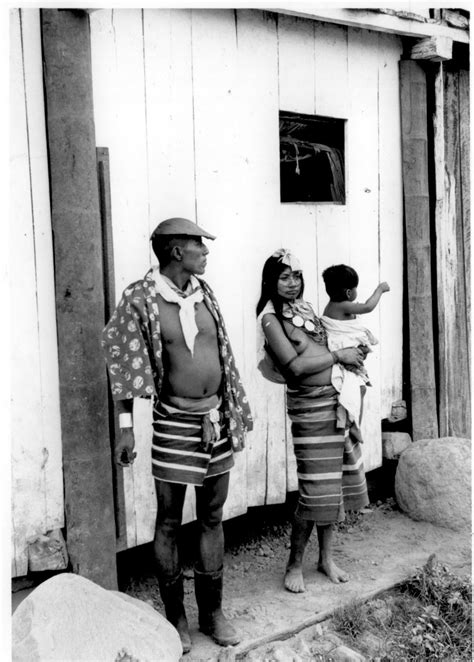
(345, 330)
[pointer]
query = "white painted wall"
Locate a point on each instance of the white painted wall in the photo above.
(37, 482)
(187, 102)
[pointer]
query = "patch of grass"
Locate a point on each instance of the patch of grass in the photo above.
(351, 620)
(427, 618)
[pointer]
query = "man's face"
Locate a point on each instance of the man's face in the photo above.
(194, 254)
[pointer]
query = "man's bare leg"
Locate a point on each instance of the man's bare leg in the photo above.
(170, 497)
(300, 534)
(210, 499)
(326, 563)
(208, 573)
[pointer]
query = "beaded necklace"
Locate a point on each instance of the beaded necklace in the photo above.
(301, 314)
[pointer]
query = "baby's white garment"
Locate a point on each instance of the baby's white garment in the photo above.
(342, 334)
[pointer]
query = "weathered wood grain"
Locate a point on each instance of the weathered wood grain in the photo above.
(36, 453)
(390, 221)
(362, 153)
(218, 173)
(454, 382)
(417, 227)
(465, 147)
(75, 218)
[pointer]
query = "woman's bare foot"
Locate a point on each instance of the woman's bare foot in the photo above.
(294, 579)
(334, 573)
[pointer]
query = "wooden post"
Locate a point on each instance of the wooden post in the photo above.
(450, 123)
(418, 244)
(80, 311)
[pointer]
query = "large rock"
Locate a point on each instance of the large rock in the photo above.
(69, 618)
(433, 481)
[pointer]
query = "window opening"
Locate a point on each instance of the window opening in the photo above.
(311, 158)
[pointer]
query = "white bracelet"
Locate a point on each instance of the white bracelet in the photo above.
(125, 420)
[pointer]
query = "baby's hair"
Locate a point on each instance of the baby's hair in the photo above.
(338, 279)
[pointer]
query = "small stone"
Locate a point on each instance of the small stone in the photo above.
(47, 552)
(394, 443)
(346, 654)
(284, 654)
(372, 644)
(398, 412)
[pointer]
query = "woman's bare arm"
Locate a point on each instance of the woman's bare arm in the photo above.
(297, 365)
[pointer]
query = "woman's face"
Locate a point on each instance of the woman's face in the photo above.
(289, 284)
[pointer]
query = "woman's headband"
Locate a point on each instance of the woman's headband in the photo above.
(285, 257)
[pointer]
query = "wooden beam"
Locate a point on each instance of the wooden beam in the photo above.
(433, 48)
(369, 20)
(455, 19)
(80, 302)
(418, 247)
(454, 369)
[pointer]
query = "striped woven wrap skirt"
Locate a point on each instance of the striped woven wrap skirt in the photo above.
(178, 452)
(331, 476)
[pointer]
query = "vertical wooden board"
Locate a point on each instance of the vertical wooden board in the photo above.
(362, 158)
(144, 497)
(218, 173)
(48, 348)
(297, 92)
(333, 243)
(390, 221)
(464, 143)
(299, 235)
(330, 70)
(259, 204)
(120, 115)
(169, 112)
(296, 64)
(28, 451)
(332, 100)
(418, 246)
(454, 392)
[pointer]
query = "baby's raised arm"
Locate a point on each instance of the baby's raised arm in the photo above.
(354, 308)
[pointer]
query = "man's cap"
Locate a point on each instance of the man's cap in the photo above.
(181, 226)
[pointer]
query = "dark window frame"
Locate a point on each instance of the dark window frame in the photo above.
(312, 149)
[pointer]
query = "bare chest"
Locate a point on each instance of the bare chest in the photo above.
(171, 330)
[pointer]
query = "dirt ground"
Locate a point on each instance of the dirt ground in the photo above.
(379, 547)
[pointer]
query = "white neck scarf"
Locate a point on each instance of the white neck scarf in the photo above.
(186, 303)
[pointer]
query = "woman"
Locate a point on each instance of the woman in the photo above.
(330, 470)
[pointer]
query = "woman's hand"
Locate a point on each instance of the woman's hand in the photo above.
(350, 356)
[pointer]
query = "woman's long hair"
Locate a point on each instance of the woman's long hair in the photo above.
(272, 270)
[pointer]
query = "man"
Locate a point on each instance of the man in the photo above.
(167, 340)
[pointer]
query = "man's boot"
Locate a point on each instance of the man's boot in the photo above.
(208, 588)
(172, 594)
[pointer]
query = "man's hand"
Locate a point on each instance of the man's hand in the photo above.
(350, 356)
(384, 287)
(124, 455)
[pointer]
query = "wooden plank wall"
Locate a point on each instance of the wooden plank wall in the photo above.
(37, 482)
(452, 221)
(418, 241)
(187, 102)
